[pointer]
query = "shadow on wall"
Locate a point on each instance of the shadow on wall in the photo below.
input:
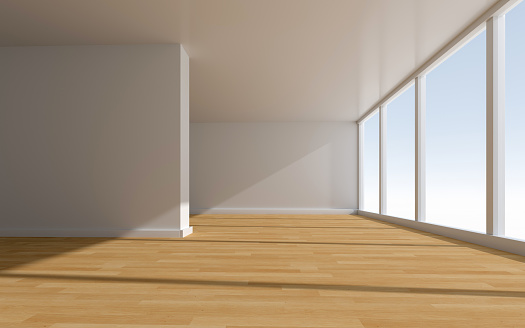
(104, 171)
(273, 165)
(89, 138)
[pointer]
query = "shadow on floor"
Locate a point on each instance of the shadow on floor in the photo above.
(285, 285)
(507, 255)
(285, 227)
(277, 242)
(17, 251)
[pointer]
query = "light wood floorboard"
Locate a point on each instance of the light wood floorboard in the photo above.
(239, 271)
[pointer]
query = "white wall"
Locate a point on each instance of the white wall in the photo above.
(273, 167)
(90, 140)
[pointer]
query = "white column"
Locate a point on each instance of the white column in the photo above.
(420, 154)
(382, 160)
(184, 196)
(361, 140)
(496, 126)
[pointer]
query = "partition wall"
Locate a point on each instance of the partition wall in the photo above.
(447, 146)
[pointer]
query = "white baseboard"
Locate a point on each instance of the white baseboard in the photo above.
(137, 233)
(273, 211)
(185, 232)
(502, 243)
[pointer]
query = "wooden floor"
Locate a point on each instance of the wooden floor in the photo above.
(262, 271)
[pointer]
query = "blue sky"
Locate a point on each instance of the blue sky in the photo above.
(456, 136)
(514, 121)
(401, 155)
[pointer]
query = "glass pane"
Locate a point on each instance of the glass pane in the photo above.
(456, 139)
(514, 119)
(400, 157)
(371, 164)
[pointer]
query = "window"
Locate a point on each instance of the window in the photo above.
(400, 156)
(371, 164)
(456, 139)
(514, 122)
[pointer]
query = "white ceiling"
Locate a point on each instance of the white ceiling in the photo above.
(261, 60)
